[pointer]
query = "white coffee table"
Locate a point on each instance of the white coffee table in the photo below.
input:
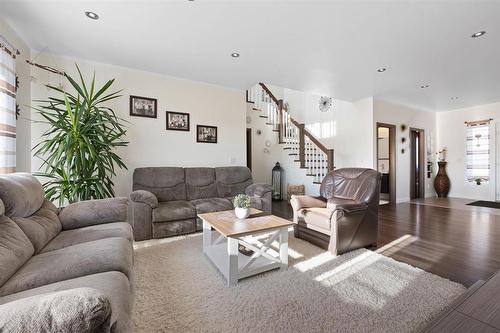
(223, 251)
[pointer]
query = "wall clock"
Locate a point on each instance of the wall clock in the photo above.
(325, 103)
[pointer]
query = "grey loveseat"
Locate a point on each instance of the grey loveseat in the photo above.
(66, 270)
(166, 200)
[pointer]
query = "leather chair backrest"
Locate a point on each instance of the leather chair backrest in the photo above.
(357, 184)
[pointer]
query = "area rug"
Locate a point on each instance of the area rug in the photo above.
(489, 204)
(179, 290)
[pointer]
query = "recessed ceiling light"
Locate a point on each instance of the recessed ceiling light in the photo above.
(235, 55)
(424, 86)
(478, 34)
(381, 69)
(92, 15)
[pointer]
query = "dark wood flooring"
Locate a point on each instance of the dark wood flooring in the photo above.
(458, 244)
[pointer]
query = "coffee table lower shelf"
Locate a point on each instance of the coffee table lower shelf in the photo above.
(224, 254)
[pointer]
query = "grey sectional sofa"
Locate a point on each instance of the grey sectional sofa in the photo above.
(66, 270)
(166, 200)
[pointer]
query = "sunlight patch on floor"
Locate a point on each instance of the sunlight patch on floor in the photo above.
(396, 245)
(314, 262)
(354, 265)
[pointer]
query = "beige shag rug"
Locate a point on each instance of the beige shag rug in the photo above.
(179, 290)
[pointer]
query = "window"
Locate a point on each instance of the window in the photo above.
(478, 151)
(7, 109)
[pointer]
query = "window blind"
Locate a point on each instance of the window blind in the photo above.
(478, 152)
(7, 111)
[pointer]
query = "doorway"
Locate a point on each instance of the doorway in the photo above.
(417, 163)
(386, 161)
(249, 148)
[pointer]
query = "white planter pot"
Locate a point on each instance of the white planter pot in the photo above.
(242, 213)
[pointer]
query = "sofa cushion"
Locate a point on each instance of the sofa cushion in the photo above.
(211, 205)
(104, 255)
(173, 210)
(114, 285)
(42, 226)
(21, 193)
(15, 248)
(318, 217)
(200, 183)
(75, 310)
(232, 180)
(88, 234)
(166, 183)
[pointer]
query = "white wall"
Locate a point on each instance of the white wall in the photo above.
(452, 134)
(150, 144)
(347, 128)
(389, 113)
(23, 140)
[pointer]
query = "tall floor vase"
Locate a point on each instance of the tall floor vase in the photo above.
(442, 181)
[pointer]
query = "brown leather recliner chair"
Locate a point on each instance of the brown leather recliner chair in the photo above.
(345, 217)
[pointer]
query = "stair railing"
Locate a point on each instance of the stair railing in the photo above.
(306, 149)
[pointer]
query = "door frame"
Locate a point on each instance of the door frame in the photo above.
(392, 158)
(421, 162)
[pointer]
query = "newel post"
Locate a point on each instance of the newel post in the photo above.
(302, 146)
(329, 156)
(281, 123)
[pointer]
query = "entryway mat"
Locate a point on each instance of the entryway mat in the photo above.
(489, 204)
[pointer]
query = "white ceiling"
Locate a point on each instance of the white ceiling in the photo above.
(327, 47)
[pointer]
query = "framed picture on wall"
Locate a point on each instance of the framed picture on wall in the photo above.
(207, 134)
(177, 121)
(143, 107)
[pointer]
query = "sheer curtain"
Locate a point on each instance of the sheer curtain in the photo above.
(7, 111)
(478, 152)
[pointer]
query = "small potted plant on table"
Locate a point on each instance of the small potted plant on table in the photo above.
(242, 204)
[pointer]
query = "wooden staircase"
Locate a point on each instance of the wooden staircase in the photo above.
(301, 145)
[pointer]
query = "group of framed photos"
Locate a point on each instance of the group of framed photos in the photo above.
(175, 121)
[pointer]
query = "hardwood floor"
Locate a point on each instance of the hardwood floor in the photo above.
(462, 245)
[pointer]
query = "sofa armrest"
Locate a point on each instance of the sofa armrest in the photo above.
(92, 212)
(304, 201)
(74, 310)
(144, 197)
(258, 189)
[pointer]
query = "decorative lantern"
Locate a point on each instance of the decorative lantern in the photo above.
(277, 173)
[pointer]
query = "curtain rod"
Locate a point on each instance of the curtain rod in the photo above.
(478, 122)
(45, 68)
(8, 47)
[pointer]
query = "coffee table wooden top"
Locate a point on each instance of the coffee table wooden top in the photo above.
(228, 225)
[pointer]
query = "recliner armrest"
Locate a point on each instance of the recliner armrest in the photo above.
(304, 201)
(258, 189)
(91, 212)
(145, 197)
(352, 207)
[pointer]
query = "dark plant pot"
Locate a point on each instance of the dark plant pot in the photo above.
(442, 181)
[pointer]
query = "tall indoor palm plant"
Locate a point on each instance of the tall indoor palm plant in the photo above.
(79, 147)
